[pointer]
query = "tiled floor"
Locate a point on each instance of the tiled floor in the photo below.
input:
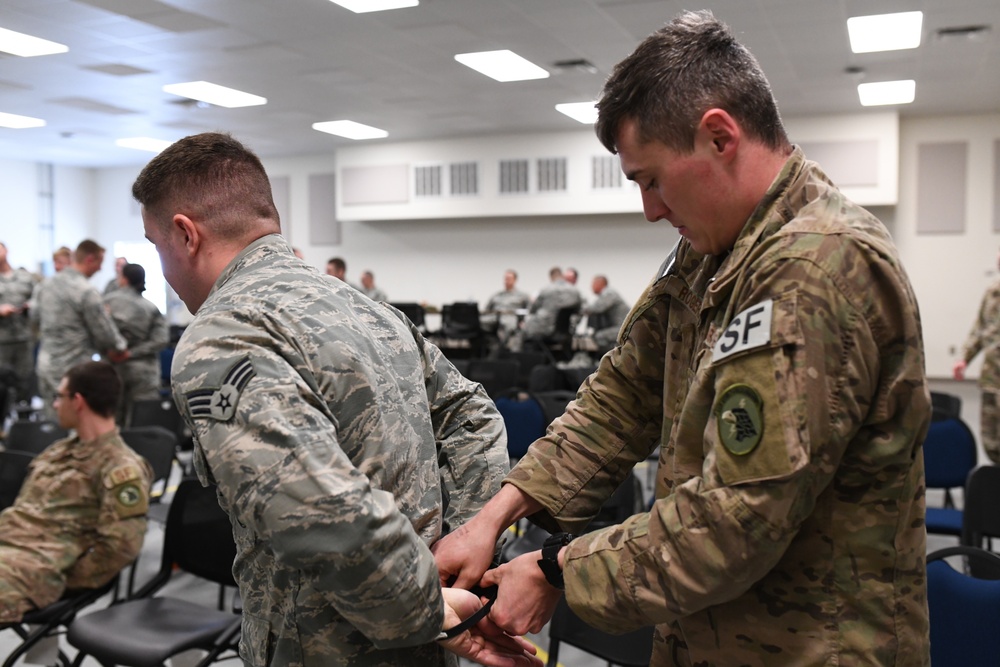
(569, 656)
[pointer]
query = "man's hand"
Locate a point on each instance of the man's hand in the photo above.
(525, 600)
(484, 643)
(958, 370)
(118, 356)
(7, 309)
(464, 555)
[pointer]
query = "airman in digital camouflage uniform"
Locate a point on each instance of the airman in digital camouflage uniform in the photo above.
(552, 298)
(81, 514)
(776, 358)
(342, 444)
(72, 322)
(605, 314)
(985, 337)
(145, 330)
(16, 354)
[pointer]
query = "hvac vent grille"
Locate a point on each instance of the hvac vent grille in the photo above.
(427, 181)
(464, 178)
(513, 176)
(606, 172)
(552, 174)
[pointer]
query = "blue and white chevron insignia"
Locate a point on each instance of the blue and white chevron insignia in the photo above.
(221, 403)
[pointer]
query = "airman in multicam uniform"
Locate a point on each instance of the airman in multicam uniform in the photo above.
(72, 322)
(81, 514)
(776, 360)
(16, 354)
(985, 337)
(145, 330)
(342, 444)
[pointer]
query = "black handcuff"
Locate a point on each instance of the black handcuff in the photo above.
(490, 593)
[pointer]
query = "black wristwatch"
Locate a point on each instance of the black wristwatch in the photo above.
(549, 562)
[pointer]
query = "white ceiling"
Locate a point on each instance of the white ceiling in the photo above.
(315, 61)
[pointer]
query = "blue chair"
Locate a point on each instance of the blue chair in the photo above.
(964, 610)
(525, 423)
(949, 457)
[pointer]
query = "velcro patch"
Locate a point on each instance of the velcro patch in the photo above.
(740, 418)
(751, 328)
(122, 474)
(220, 404)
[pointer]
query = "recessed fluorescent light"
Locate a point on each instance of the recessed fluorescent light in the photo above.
(502, 65)
(585, 112)
(203, 91)
(15, 122)
(365, 6)
(26, 46)
(350, 130)
(143, 144)
(887, 92)
(885, 32)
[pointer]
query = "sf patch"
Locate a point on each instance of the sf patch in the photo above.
(221, 403)
(740, 418)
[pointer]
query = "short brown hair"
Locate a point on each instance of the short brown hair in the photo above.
(682, 70)
(98, 383)
(208, 177)
(87, 248)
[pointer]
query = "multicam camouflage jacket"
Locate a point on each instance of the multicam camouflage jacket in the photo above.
(80, 518)
(985, 337)
(342, 445)
(785, 385)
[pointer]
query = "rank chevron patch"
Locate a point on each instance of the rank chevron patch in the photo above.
(220, 404)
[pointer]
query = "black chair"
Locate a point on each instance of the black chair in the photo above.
(980, 516)
(553, 402)
(558, 346)
(38, 624)
(146, 630)
(33, 436)
(414, 312)
(949, 457)
(157, 445)
(496, 375)
(964, 609)
(460, 322)
(13, 470)
(945, 406)
(161, 412)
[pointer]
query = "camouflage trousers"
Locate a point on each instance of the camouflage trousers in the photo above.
(20, 359)
(989, 423)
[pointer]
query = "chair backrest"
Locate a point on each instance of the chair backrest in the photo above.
(945, 406)
(155, 444)
(964, 611)
(554, 402)
(156, 412)
(981, 513)
(524, 421)
(496, 375)
(413, 311)
(166, 356)
(632, 649)
(33, 436)
(949, 454)
(13, 470)
(564, 321)
(198, 538)
(461, 320)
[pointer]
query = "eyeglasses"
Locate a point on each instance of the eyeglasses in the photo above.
(63, 395)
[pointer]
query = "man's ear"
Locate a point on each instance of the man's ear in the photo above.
(189, 231)
(722, 132)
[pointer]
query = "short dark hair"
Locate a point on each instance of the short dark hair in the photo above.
(87, 248)
(135, 276)
(682, 70)
(338, 263)
(209, 176)
(98, 383)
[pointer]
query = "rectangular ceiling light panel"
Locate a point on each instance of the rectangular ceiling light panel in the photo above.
(885, 32)
(203, 91)
(887, 92)
(584, 112)
(26, 46)
(350, 130)
(365, 6)
(503, 65)
(15, 122)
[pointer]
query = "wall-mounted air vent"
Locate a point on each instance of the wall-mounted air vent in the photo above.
(427, 181)
(513, 176)
(606, 172)
(464, 177)
(552, 174)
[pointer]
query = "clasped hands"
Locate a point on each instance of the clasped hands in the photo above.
(525, 600)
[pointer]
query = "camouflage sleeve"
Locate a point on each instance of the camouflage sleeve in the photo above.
(104, 335)
(985, 333)
(814, 385)
(614, 423)
(470, 435)
(157, 337)
(121, 526)
(287, 482)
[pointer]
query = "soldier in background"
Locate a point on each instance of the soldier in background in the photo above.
(81, 514)
(552, 298)
(605, 314)
(776, 360)
(16, 342)
(343, 445)
(61, 258)
(985, 337)
(115, 283)
(145, 330)
(369, 289)
(72, 323)
(501, 312)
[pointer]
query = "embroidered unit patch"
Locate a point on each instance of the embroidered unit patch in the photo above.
(740, 417)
